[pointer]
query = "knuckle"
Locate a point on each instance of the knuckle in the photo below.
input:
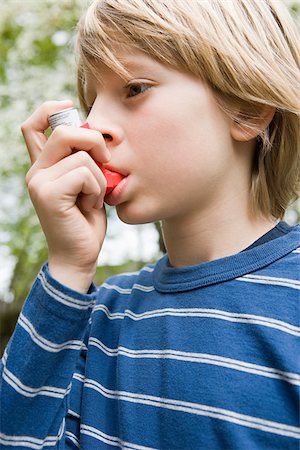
(39, 191)
(28, 176)
(33, 187)
(58, 132)
(83, 156)
(31, 173)
(61, 133)
(85, 172)
(24, 126)
(57, 136)
(35, 184)
(47, 106)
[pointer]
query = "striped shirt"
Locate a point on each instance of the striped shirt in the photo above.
(203, 357)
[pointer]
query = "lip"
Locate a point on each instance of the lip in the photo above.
(111, 168)
(115, 196)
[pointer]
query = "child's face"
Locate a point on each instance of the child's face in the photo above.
(167, 134)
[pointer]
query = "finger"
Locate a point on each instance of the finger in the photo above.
(79, 183)
(34, 127)
(86, 203)
(72, 162)
(65, 139)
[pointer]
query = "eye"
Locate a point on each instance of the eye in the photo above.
(135, 89)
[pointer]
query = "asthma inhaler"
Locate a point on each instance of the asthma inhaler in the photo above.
(70, 117)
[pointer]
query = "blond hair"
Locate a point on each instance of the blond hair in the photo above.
(246, 50)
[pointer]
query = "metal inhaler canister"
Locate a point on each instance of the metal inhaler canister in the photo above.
(67, 116)
(71, 117)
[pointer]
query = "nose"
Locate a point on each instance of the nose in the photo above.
(106, 119)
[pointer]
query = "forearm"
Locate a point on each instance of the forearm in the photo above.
(39, 364)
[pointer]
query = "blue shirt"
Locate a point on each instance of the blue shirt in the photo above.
(201, 357)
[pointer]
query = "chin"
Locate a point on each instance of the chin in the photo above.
(136, 215)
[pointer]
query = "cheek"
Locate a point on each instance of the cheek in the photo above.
(176, 136)
(162, 133)
(154, 146)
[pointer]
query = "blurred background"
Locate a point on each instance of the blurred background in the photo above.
(37, 64)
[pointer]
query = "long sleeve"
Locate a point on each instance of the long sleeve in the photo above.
(37, 367)
(168, 358)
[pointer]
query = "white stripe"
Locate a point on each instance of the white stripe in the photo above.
(61, 429)
(27, 391)
(45, 343)
(116, 288)
(63, 298)
(198, 409)
(297, 250)
(78, 377)
(73, 438)
(218, 314)
(286, 282)
(4, 358)
(201, 358)
(268, 278)
(144, 269)
(204, 312)
(147, 269)
(28, 441)
(140, 287)
(127, 291)
(73, 413)
(130, 274)
(107, 312)
(31, 442)
(108, 439)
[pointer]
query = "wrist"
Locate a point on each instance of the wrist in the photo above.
(77, 278)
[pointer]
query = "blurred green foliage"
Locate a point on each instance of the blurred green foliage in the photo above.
(36, 65)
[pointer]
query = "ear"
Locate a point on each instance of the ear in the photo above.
(250, 124)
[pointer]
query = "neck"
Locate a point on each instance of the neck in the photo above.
(215, 233)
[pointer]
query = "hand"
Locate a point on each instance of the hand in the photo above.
(67, 191)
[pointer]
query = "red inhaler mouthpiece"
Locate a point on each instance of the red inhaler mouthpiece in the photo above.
(112, 178)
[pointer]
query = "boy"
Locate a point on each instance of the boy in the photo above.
(197, 105)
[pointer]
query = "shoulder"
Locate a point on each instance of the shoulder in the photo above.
(121, 286)
(280, 278)
(128, 280)
(284, 256)
(288, 265)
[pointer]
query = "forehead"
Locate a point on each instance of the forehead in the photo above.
(133, 59)
(133, 63)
